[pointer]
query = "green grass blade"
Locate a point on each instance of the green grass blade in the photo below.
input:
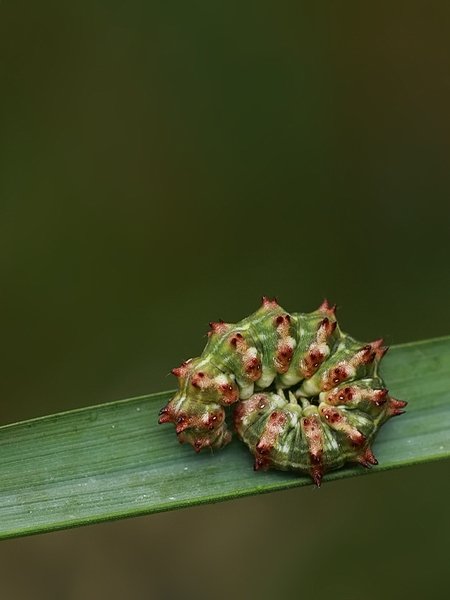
(113, 461)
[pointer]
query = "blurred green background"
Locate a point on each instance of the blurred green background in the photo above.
(166, 163)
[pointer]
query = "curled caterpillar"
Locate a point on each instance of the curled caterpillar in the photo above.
(306, 396)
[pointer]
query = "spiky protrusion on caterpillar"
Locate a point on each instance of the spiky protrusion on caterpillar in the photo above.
(339, 403)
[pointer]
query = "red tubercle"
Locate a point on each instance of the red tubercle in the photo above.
(325, 329)
(332, 416)
(395, 407)
(367, 459)
(282, 323)
(283, 357)
(286, 344)
(314, 437)
(251, 362)
(340, 396)
(364, 356)
(312, 361)
(378, 349)
(317, 475)
(368, 353)
(207, 421)
(325, 309)
(261, 462)
(255, 403)
(378, 397)
(212, 420)
(337, 421)
(238, 342)
(230, 393)
(313, 432)
(274, 426)
(214, 440)
(252, 368)
(335, 376)
(270, 304)
(317, 469)
(182, 422)
(166, 414)
(183, 371)
(353, 393)
(198, 379)
(219, 328)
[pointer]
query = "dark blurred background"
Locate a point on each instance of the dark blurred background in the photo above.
(166, 163)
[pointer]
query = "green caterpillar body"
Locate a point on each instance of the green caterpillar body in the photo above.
(306, 396)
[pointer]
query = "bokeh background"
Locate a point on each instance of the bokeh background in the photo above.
(166, 163)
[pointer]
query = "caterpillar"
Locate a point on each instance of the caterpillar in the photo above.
(306, 396)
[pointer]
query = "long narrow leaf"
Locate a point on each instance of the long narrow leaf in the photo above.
(112, 461)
